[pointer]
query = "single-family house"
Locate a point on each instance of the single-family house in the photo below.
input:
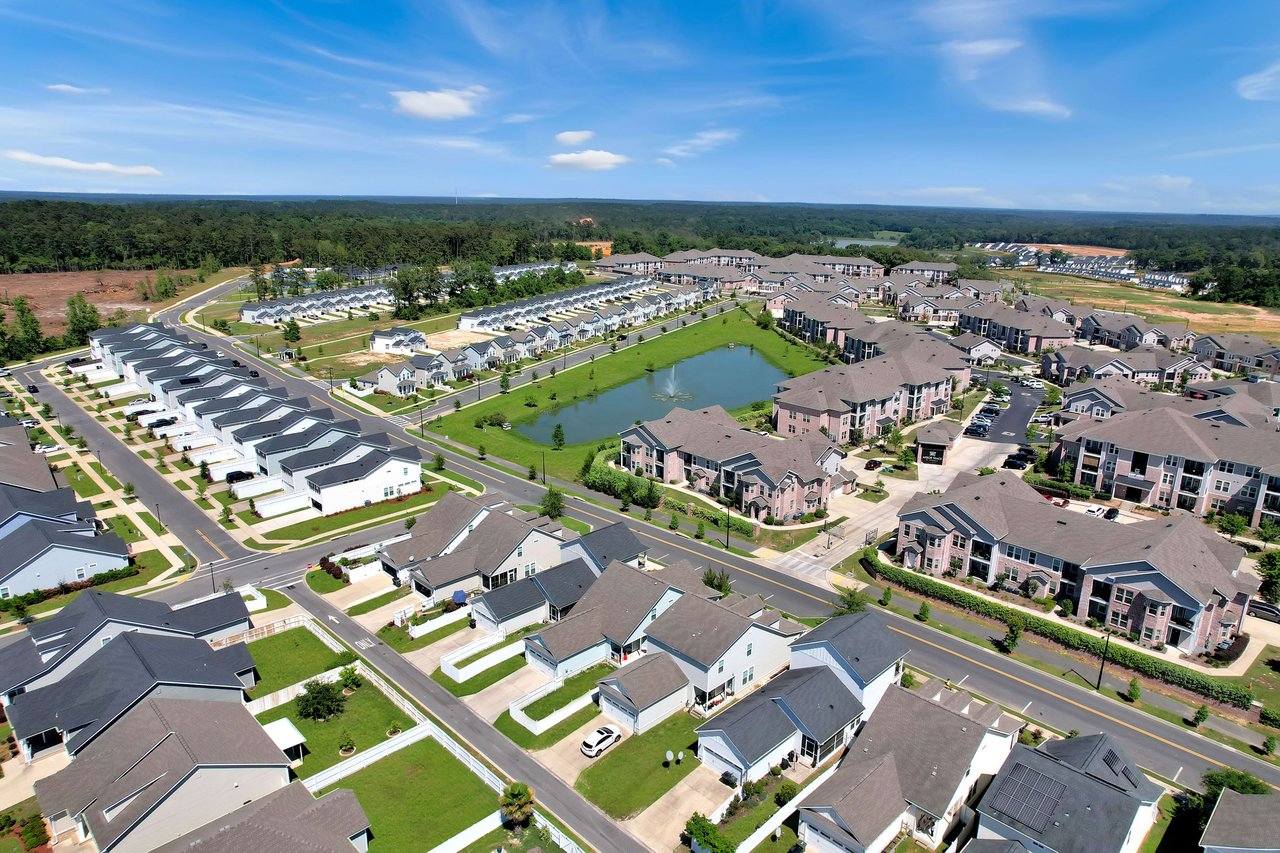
(1243, 823)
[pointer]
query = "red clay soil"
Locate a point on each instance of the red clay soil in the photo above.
(48, 293)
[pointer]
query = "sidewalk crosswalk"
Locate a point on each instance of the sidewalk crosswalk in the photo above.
(800, 566)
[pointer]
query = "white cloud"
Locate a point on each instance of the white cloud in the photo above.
(1042, 107)
(518, 118)
(1261, 86)
(574, 137)
(702, 142)
(1205, 153)
(79, 166)
(969, 57)
(441, 104)
(590, 160)
(666, 161)
(68, 89)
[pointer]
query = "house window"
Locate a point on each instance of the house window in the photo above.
(1124, 596)
(748, 675)
(1148, 634)
(720, 668)
(520, 550)
(1221, 486)
(957, 541)
(4, 592)
(388, 491)
(1015, 553)
(1013, 575)
(1118, 619)
(1248, 492)
(749, 649)
(530, 569)
(81, 573)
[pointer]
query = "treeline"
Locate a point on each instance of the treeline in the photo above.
(420, 290)
(22, 338)
(41, 236)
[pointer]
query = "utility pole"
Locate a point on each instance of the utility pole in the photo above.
(726, 527)
(1106, 647)
(544, 467)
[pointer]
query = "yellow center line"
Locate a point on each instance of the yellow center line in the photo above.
(221, 553)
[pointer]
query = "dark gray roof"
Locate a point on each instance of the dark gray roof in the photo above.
(53, 504)
(36, 537)
(287, 820)
(866, 797)
(1051, 800)
(993, 845)
(348, 471)
(151, 752)
(303, 438)
(1244, 822)
(814, 696)
(646, 680)
(88, 611)
(272, 428)
(862, 640)
(564, 585)
(117, 676)
(319, 455)
(698, 629)
(612, 542)
(513, 599)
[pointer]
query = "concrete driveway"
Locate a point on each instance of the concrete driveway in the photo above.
(492, 701)
(428, 659)
(660, 825)
(565, 759)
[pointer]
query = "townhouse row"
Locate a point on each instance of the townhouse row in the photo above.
(710, 452)
(315, 305)
(521, 312)
(221, 413)
(1167, 581)
(132, 719)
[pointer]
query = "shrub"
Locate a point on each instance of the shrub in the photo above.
(320, 700)
(351, 679)
(1202, 714)
(1269, 717)
(700, 829)
(923, 613)
(909, 680)
(346, 743)
(34, 833)
(1134, 693)
(1126, 658)
(786, 793)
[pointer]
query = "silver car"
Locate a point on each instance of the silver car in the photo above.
(600, 740)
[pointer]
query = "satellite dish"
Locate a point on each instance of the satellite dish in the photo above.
(670, 757)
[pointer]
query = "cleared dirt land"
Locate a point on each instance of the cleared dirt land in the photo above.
(1202, 317)
(107, 289)
(1071, 249)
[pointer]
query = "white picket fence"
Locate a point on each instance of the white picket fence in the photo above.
(516, 708)
(470, 835)
(766, 829)
(416, 631)
(365, 757)
(449, 665)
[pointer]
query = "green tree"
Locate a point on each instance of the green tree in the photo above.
(292, 332)
(552, 504)
(851, 601)
(998, 388)
(1268, 531)
(923, 613)
(129, 490)
(320, 700)
(1269, 570)
(1202, 714)
(204, 471)
(504, 383)
(1134, 693)
(327, 280)
(438, 463)
(719, 580)
(1012, 635)
(82, 319)
(675, 522)
(517, 805)
(1233, 524)
(894, 438)
(701, 532)
(886, 596)
(26, 339)
(225, 515)
(533, 472)
(587, 461)
(557, 437)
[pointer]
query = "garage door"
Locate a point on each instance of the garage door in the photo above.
(615, 711)
(484, 620)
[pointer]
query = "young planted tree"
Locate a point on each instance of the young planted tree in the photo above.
(552, 504)
(1134, 693)
(851, 601)
(517, 805)
(557, 437)
(923, 613)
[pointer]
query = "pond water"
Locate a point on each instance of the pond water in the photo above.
(846, 242)
(725, 377)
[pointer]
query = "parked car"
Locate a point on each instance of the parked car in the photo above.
(1015, 463)
(1042, 419)
(164, 422)
(238, 477)
(74, 360)
(1264, 610)
(29, 423)
(253, 374)
(600, 740)
(48, 448)
(1095, 510)
(1034, 383)
(32, 389)
(5, 373)
(977, 432)
(4, 395)
(872, 464)
(1112, 514)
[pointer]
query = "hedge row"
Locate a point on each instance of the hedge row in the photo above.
(1143, 664)
(1269, 717)
(1071, 490)
(711, 516)
(39, 595)
(619, 484)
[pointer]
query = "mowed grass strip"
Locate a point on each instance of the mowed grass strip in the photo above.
(287, 658)
(630, 777)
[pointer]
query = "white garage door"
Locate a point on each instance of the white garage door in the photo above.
(615, 711)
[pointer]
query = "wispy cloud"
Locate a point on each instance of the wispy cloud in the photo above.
(68, 89)
(574, 137)
(590, 160)
(1228, 151)
(519, 118)
(1147, 183)
(78, 165)
(1261, 86)
(463, 143)
(702, 142)
(965, 195)
(1042, 107)
(969, 57)
(666, 161)
(440, 104)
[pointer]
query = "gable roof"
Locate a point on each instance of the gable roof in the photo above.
(612, 542)
(36, 537)
(1243, 822)
(865, 796)
(613, 607)
(698, 629)
(645, 681)
(862, 640)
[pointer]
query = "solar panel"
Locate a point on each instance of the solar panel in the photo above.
(1028, 797)
(1112, 760)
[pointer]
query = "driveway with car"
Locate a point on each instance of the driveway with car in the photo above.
(565, 758)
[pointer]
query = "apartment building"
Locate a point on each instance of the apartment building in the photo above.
(1058, 309)
(927, 269)
(1127, 331)
(1014, 330)
(711, 452)
(869, 397)
(1146, 364)
(1166, 581)
(1240, 354)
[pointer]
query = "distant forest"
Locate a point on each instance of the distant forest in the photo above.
(1242, 254)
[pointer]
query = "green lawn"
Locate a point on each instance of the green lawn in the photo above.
(630, 777)
(328, 523)
(19, 812)
(102, 472)
(124, 528)
(786, 840)
(151, 521)
(526, 739)
(321, 582)
(399, 639)
(275, 600)
(1264, 676)
(80, 482)
(287, 658)
(150, 564)
(423, 779)
(574, 686)
(1182, 839)
(367, 717)
(785, 540)
(381, 601)
(611, 371)
(529, 840)
(481, 681)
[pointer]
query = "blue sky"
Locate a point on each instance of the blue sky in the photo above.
(1144, 105)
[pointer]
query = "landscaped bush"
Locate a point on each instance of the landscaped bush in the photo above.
(786, 793)
(1269, 717)
(1061, 487)
(34, 833)
(1130, 659)
(39, 595)
(700, 829)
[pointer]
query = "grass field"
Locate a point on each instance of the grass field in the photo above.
(1264, 677)
(423, 779)
(610, 371)
(367, 717)
(327, 523)
(630, 777)
(287, 658)
(1202, 317)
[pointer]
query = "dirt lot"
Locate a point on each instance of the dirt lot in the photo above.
(455, 338)
(48, 292)
(1080, 250)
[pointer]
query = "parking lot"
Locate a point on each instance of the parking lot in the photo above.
(1010, 426)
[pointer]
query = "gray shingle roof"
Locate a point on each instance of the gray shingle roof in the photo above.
(864, 794)
(612, 542)
(698, 629)
(36, 537)
(644, 681)
(1244, 822)
(862, 640)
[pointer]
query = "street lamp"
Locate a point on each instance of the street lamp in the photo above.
(544, 467)
(726, 527)
(1106, 647)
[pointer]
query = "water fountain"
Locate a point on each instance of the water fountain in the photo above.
(670, 390)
